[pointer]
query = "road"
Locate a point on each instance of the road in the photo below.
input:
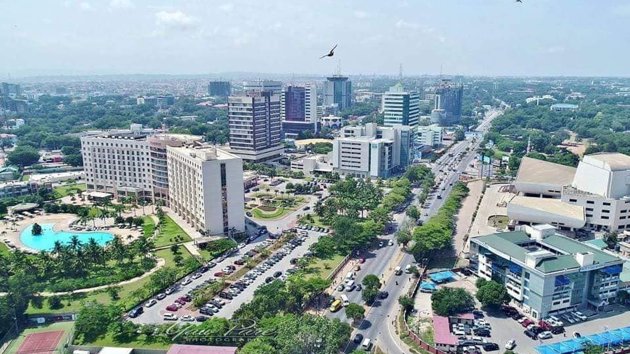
(378, 324)
(155, 313)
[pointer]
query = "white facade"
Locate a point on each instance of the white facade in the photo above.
(206, 189)
(372, 151)
(400, 107)
(263, 85)
(311, 103)
(600, 185)
(429, 135)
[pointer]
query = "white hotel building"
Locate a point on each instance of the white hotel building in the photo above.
(206, 188)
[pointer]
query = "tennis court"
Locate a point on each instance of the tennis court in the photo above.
(48, 339)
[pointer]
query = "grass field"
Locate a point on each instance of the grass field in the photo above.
(68, 189)
(278, 213)
(4, 249)
(149, 226)
(65, 326)
(323, 267)
(73, 303)
(169, 231)
(316, 221)
(140, 341)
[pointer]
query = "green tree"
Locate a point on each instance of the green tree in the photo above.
(23, 155)
(450, 301)
(94, 319)
(37, 229)
(413, 212)
(589, 348)
(371, 286)
(610, 238)
(355, 312)
(406, 302)
(257, 346)
(403, 237)
(491, 293)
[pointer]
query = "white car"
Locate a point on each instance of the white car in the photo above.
(170, 317)
(545, 335)
(187, 318)
(391, 242)
(580, 315)
(150, 303)
(510, 344)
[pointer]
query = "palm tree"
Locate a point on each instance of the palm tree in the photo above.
(75, 244)
(117, 249)
(118, 208)
(94, 251)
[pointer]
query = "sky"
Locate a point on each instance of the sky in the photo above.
(457, 37)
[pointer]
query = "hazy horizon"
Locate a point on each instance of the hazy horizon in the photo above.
(538, 38)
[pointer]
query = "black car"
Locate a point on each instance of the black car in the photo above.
(201, 318)
(204, 269)
(531, 334)
(205, 311)
(225, 295)
(490, 346)
(269, 279)
(358, 338)
(557, 330)
(277, 274)
(482, 332)
(383, 295)
(136, 312)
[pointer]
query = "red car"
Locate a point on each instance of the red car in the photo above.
(239, 262)
(219, 274)
(544, 325)
(362, 260)
(183, 299)
(172, 308)
(180, 301)
(527, 322)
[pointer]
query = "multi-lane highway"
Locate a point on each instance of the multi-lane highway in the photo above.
(378, 324)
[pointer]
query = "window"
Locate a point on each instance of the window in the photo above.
(605, 217)
(573, 200)
(526, 275)
(605, 211)
(589, 209)
(589, 215)
(606, 203)
(590, 202)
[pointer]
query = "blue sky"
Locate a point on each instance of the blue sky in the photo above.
(468, 37)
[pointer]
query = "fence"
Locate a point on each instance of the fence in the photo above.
(342, 264)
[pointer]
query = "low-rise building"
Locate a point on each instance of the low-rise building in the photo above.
(429, 135)
(598, 188)
(311, 165)
(545, 272)
(372, 151)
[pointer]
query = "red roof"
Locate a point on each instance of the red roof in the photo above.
(442, 331)
(200, 349)
(465, 316)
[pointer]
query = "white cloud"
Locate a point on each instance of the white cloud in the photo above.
(555, 49)
(361, 14)
(402, 24)
(85, 6)
(176, 20)
(121, 4)
(227, 7)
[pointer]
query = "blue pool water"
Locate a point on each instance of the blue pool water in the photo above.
(46, 241)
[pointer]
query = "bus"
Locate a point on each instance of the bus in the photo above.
(335, 306)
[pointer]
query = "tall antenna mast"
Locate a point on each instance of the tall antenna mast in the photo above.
(440, 71)
(339, 67)
(400, 73)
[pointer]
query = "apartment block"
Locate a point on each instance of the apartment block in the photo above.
(206, 188)
(400, 107)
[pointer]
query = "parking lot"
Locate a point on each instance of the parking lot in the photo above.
(155, 313)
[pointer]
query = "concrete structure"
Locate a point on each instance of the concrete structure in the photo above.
(129, 162)
(263, 85)
(448, 101)
(331, 121)
(544, 272)
(338, 92)
(311, 165)
(255, 130)
(429, 135)
(400, 107)
(206, 188)
(17, 188)
(600, 187)
(299, 110)
(372, 151)
(559, 107)
(219, 88)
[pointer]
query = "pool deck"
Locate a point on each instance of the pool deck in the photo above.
(61, 222)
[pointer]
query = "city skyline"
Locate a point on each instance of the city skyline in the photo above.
(489, 38)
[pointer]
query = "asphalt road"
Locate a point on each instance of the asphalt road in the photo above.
(378, 324)
(155, 313)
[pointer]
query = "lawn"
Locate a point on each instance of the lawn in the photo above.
(276, 214)
(138, 342)
(316, 220)
(149, 226)
(322, 268)
(73, 303)
(498, 221)
(68, 189)
(67, 327)
(169, 232)
(4, 249)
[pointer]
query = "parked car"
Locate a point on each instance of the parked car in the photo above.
(545, 335)
(170, 317)
(160, 296)
(172, 308)
(557, 330)
(383, 295)
(510, 344)
(490, 346)
(150, 303)
(219, 274)
(358, 338)
(201, 318)
(530, 333)
(136, 312)
(187, 318)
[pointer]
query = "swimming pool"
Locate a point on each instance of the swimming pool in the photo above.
(46, 241)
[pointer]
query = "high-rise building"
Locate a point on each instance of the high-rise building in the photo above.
(299, 110)
(10, 90)
(448, 97)
(400, 107)
(372, 151)
(338, 92)
(263, 85)
(255, 126)
(219, 88)
(206, 189)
